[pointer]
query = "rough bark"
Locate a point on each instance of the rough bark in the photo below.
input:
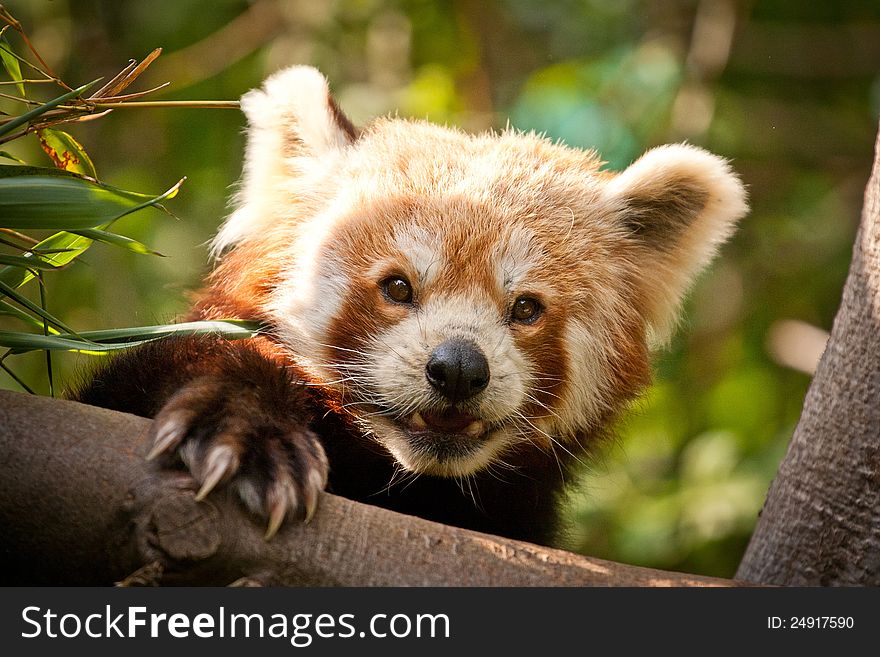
(80, 505)
(821, 521)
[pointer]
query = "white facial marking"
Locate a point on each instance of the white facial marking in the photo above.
(587, 379)
(423, 250)
(514, 258)
(311, 293)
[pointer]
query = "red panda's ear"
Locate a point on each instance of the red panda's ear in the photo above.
(295, 115)
(680, 203)
(293, 125)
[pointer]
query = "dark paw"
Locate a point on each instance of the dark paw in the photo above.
(226, 433)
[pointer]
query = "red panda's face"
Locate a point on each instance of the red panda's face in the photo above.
(466, 304)
(448, 327)
(466, 295)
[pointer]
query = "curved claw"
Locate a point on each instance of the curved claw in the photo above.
(315, 485)
(221, 462)
(282, 496)
(168, 434)
(276, 517)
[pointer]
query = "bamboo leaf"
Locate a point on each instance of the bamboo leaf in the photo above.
(11, 125)
(21, 343)
(115, 239)
(28, 262)
(39, 202)
(111, 85)
(10, 156)
(107, 340)
(66, 152)
(59, 249)
(10, 310)
(155, 201)
(40, 251)
(34, 308)
(228, 328)
(63, 247)
(10, 63)
(15, 171)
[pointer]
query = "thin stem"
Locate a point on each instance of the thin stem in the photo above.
(10, 20)
(27, 239)
(46, 332)
(14, 136)
(10, 82)
(195, 104)
(19, 99)
(13, 244)
(36, 69)
(6, 369)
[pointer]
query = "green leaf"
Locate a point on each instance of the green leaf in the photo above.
(66, 152)
(228, 328)
(59, 249)
(14, 171)
(39, 251)
(64, 247)
(8, 127)
(10, 156)
(107, 340)
(116, 240)
(10, 310)
(67, 203)
(21, 343)
(10, 63)
(28, 262)
(34, 308)
(39, 197)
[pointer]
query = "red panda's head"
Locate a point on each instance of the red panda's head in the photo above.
(464, 294)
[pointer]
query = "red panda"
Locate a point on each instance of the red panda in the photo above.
(452, 320)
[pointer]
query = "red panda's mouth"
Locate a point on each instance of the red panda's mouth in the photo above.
(450, 421)
(449, 443)
(445, 443)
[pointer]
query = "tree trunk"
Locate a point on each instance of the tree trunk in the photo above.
(821, 521)
(79, 504)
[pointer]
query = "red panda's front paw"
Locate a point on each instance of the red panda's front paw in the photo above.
(226, 434)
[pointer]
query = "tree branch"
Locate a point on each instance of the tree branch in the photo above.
(80, 505)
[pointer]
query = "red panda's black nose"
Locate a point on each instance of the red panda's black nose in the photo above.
(458, 370)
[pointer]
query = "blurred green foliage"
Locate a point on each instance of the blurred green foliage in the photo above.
(788, 90)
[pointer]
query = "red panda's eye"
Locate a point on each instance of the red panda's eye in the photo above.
(526, 310)
(397, 289)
